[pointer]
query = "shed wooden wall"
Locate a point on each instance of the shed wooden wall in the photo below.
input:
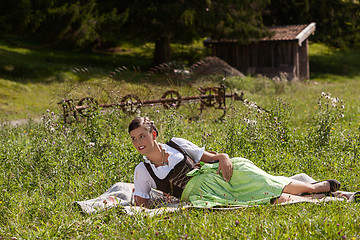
(268, 58)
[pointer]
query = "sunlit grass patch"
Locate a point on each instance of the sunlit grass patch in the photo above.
(47, 166)
(328, 64)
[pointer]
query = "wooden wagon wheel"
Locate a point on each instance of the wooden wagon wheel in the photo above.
(130, 103)
(208, 97)
(87, 106)
(172, 99)
(69, 111)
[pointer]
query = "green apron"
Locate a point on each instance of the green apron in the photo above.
(248, 186)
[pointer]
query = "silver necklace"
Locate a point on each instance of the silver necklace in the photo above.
(163, 158)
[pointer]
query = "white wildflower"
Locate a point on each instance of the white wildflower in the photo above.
(335, 100)
(249, 121)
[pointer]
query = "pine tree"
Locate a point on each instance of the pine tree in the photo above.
(163, 22)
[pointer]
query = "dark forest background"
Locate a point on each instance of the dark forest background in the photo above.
(96, 25)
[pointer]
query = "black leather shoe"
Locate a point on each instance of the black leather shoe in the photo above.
(355, 197)
(334, 184)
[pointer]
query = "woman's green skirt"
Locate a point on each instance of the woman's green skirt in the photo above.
(248, 186)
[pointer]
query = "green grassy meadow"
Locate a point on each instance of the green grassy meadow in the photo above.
(310, 127)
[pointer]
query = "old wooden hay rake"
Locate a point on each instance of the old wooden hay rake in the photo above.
(131, 103)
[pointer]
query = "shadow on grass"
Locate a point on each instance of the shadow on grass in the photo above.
(335, 62)
(23, 65)
(50, 64)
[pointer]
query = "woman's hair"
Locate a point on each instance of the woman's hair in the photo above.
(143, 121)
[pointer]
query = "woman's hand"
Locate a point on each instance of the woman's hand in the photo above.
(142, 202)
(225, 165)
(226, 168)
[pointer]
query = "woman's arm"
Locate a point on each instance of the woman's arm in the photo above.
(139, 201)
(225, 165)
(143, 183)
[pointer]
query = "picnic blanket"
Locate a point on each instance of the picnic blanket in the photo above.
(120, 195)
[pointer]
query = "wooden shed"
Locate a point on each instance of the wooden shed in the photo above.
(285, 51)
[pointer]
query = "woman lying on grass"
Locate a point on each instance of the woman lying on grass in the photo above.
(177, 168)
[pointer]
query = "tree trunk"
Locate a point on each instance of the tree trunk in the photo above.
(162, 50)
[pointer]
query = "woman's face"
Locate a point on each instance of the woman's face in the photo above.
(142, 139)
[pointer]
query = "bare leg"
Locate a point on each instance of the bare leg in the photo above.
(298, 187)
(284, 197)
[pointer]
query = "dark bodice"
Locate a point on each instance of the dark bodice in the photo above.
(174, 183)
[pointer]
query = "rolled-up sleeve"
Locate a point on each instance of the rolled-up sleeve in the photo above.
(193, 150)
(143, 182)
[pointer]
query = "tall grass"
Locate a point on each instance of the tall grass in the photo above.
(46, 166)
(310, 127)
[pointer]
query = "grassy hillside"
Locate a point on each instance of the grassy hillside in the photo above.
(32, 81)
(333, 64)
(310, 127)
(46, 167)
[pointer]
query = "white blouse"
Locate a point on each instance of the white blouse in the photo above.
(143, 182)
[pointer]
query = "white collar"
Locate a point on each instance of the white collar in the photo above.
(169, 150)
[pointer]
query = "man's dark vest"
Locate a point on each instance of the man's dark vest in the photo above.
(174, 183)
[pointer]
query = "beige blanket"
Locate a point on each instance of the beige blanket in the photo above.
(120, 195)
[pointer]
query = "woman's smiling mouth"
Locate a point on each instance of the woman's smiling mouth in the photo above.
(141, 147)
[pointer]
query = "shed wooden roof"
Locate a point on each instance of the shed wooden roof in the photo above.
(280, 33)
